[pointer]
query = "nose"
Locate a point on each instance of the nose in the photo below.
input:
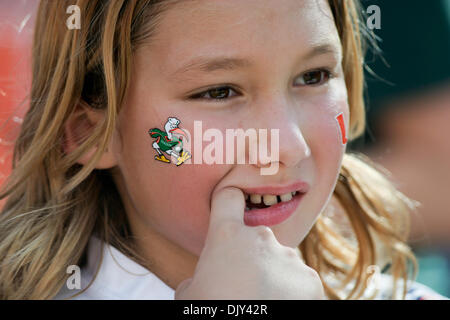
(292, 146)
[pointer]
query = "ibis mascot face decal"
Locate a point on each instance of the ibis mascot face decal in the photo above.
(170, 141)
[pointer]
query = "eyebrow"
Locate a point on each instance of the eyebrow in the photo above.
(226, 63)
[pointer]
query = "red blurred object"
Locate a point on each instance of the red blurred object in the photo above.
(16, 31)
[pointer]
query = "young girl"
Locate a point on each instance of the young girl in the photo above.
(95, 195)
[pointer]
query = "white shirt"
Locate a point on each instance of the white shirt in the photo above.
(119, 278)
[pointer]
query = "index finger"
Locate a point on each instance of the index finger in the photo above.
(227, 204)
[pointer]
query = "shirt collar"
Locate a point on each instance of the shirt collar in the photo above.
(119, 277)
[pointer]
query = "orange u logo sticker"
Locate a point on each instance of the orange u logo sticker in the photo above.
(340, 120)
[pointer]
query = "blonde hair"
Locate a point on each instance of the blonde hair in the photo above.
(54, 205)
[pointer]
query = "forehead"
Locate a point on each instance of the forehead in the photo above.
(201, 28)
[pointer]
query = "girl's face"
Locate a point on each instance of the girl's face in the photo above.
(290, 48)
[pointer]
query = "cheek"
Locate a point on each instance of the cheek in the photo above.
(323, 136)
(327, 148)
(327, 135)
(181, 203)
(174, 201)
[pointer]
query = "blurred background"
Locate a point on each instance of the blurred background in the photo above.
(408, 114)
(16, 33)
(408, 111)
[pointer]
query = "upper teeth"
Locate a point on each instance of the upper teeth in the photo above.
(269, 199)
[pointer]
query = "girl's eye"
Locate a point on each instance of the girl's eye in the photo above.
(315, 77)
(310, 78)
(218, 93)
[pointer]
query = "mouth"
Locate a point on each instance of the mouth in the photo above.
(264, 208)
(259, 201)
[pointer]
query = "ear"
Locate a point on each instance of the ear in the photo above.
(77, 129)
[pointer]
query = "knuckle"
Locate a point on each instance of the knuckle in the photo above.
(292, 252)
(226, 193)
(264, 232)
(314, 275)
(228, 229)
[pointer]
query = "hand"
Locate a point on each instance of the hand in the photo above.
(242, 262)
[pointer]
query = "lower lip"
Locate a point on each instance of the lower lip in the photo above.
(274, 214)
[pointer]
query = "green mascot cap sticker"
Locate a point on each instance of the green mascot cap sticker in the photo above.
(170, 141)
